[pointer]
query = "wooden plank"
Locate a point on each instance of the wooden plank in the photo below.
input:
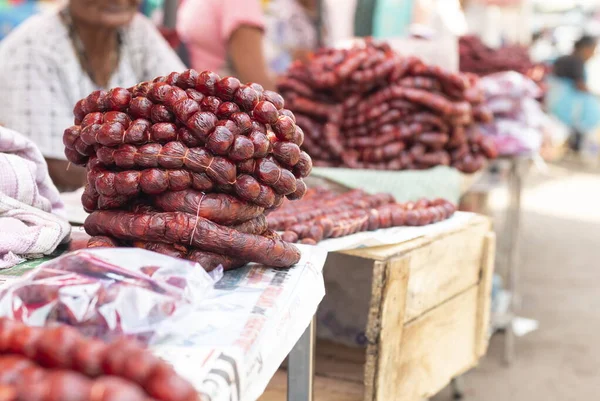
(373, 328)
(444, 268)
(326, 389)
(390, 339)
(386, 252)
(435, 348)
(485, 296)
(338, 361)
(342, 353)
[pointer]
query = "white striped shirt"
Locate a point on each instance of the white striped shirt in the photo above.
(41, 77)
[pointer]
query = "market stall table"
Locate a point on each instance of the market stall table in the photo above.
(406, 311)
(238, 336)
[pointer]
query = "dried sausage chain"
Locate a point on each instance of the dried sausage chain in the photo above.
(368, 107)
(188, 165)
(59, 363)
(323, 214)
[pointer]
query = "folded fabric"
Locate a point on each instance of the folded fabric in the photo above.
(31, 213)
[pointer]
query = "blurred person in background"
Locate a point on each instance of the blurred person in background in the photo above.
(251, 39)
(226, 36)
(572, 66)
(568, 94)
(291, 31)
(53, 60)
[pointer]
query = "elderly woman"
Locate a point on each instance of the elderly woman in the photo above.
(53, 60)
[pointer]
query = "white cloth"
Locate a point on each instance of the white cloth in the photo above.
(31, 212)
(41, 77)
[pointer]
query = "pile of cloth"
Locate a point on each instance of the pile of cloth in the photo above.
(519, 121)
(32, 218)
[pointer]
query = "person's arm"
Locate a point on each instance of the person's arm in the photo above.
(242, 29)
(248, 58)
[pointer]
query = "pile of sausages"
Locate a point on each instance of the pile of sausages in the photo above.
(367, 107)
(58, 363)
(188, 165)
(477, 58)
(323, 214)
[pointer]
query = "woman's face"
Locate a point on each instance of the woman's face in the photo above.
(105, 13)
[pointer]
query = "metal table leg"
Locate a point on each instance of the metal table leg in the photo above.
(513, 223)
(301, 367)
(458, 386)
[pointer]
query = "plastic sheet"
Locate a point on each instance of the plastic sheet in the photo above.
(106, 293)
(519, 120)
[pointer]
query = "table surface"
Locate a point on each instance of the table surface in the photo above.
(256, 316)
(236, 339)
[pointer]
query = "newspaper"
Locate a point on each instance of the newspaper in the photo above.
(394, 235)
(237, 339)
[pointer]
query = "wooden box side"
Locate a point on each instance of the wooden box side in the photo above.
(444, 268)
(387, 317)
(416, 357)
(435, 347)
(484, 303)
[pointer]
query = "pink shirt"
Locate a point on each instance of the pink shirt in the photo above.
(205, 26)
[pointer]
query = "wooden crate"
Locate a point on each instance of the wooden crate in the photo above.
(427, 318)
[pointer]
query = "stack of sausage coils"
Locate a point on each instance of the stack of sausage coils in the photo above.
(59, 364)
(188, 165)
(367, 107)
(323, 214)
(477, 58)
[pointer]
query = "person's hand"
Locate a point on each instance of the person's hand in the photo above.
(248, 58)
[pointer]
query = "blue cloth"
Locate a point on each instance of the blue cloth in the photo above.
(578, 110)
(12, 15)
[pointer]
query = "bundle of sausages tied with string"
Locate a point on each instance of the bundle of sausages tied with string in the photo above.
(368, 107)
(188, 165)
